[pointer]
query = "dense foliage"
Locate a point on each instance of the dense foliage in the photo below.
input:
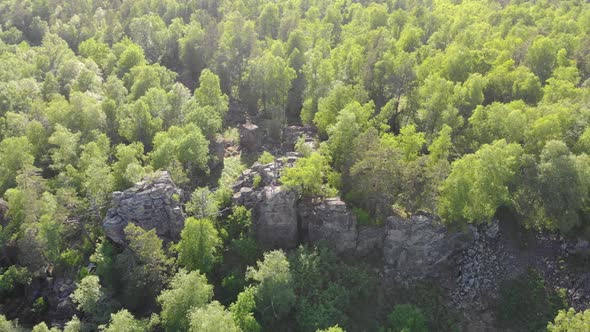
(458, 108)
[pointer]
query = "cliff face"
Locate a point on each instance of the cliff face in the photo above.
(470, 263)
(411, 249)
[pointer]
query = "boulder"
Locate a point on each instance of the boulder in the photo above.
(251, 137)
(275, 218)
(150, 204)
(420, 247)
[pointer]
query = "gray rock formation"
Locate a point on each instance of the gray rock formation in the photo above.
(282, 221)
(275, 218)
(251, 137)
(470, 263)
(332, 222)
(420, 247)
(150, 204)
(292, 133)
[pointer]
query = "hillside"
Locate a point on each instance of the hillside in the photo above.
(294, 165)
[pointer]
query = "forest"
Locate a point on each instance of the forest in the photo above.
(467, 110)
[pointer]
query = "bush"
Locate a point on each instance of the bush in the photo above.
(406, 318)
(302, 147)
(13, 276)
(431, 300)
(570, 321)
(527, 304)
(329, 291)
(362, 217)
(310, 176)
(266, 158)
(256, 181)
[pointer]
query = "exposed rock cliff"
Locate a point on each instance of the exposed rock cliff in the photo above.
(470, 263)
(275, 218)
(150, 204)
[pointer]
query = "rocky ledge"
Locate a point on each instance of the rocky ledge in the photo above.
(470, 262)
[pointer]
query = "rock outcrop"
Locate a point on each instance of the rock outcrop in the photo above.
(420, 247)
(331, 222)
(470, 263)
(150, 204)
(292, 134)
(251, 137)
(281, 220)
(275, 218)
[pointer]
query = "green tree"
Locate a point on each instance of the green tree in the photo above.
(136, 123)
(212, 318)
(527, 303)
(236, 42)
(42, 327)
(185, 145)
(74, 325)
(124, 321)
(203, 204)
(242, 310)
(268, 21)
(89, 296)
(209, 93)
(437, 106)
(334, 328)
(338, 98)
(561, 185)
(479, 183)
(128, 169)
(188, 290)
(310, 176)
(8, 326)
(541, 57)
(406, 318)
(12, 277)
(269, 79)
(350, 122)
(141, 267)
(96, 176)
(128, 55)
(197, 249)
(194, 53)
(274, 289)
(15, 154)
(570, 321)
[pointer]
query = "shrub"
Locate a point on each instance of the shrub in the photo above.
(13, 276)
(406, 318)
(527, 304)
(266, 158)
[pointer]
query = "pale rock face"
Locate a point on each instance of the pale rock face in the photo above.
(333, 223)
(150, 204)
(275, 218)
(251, 137)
